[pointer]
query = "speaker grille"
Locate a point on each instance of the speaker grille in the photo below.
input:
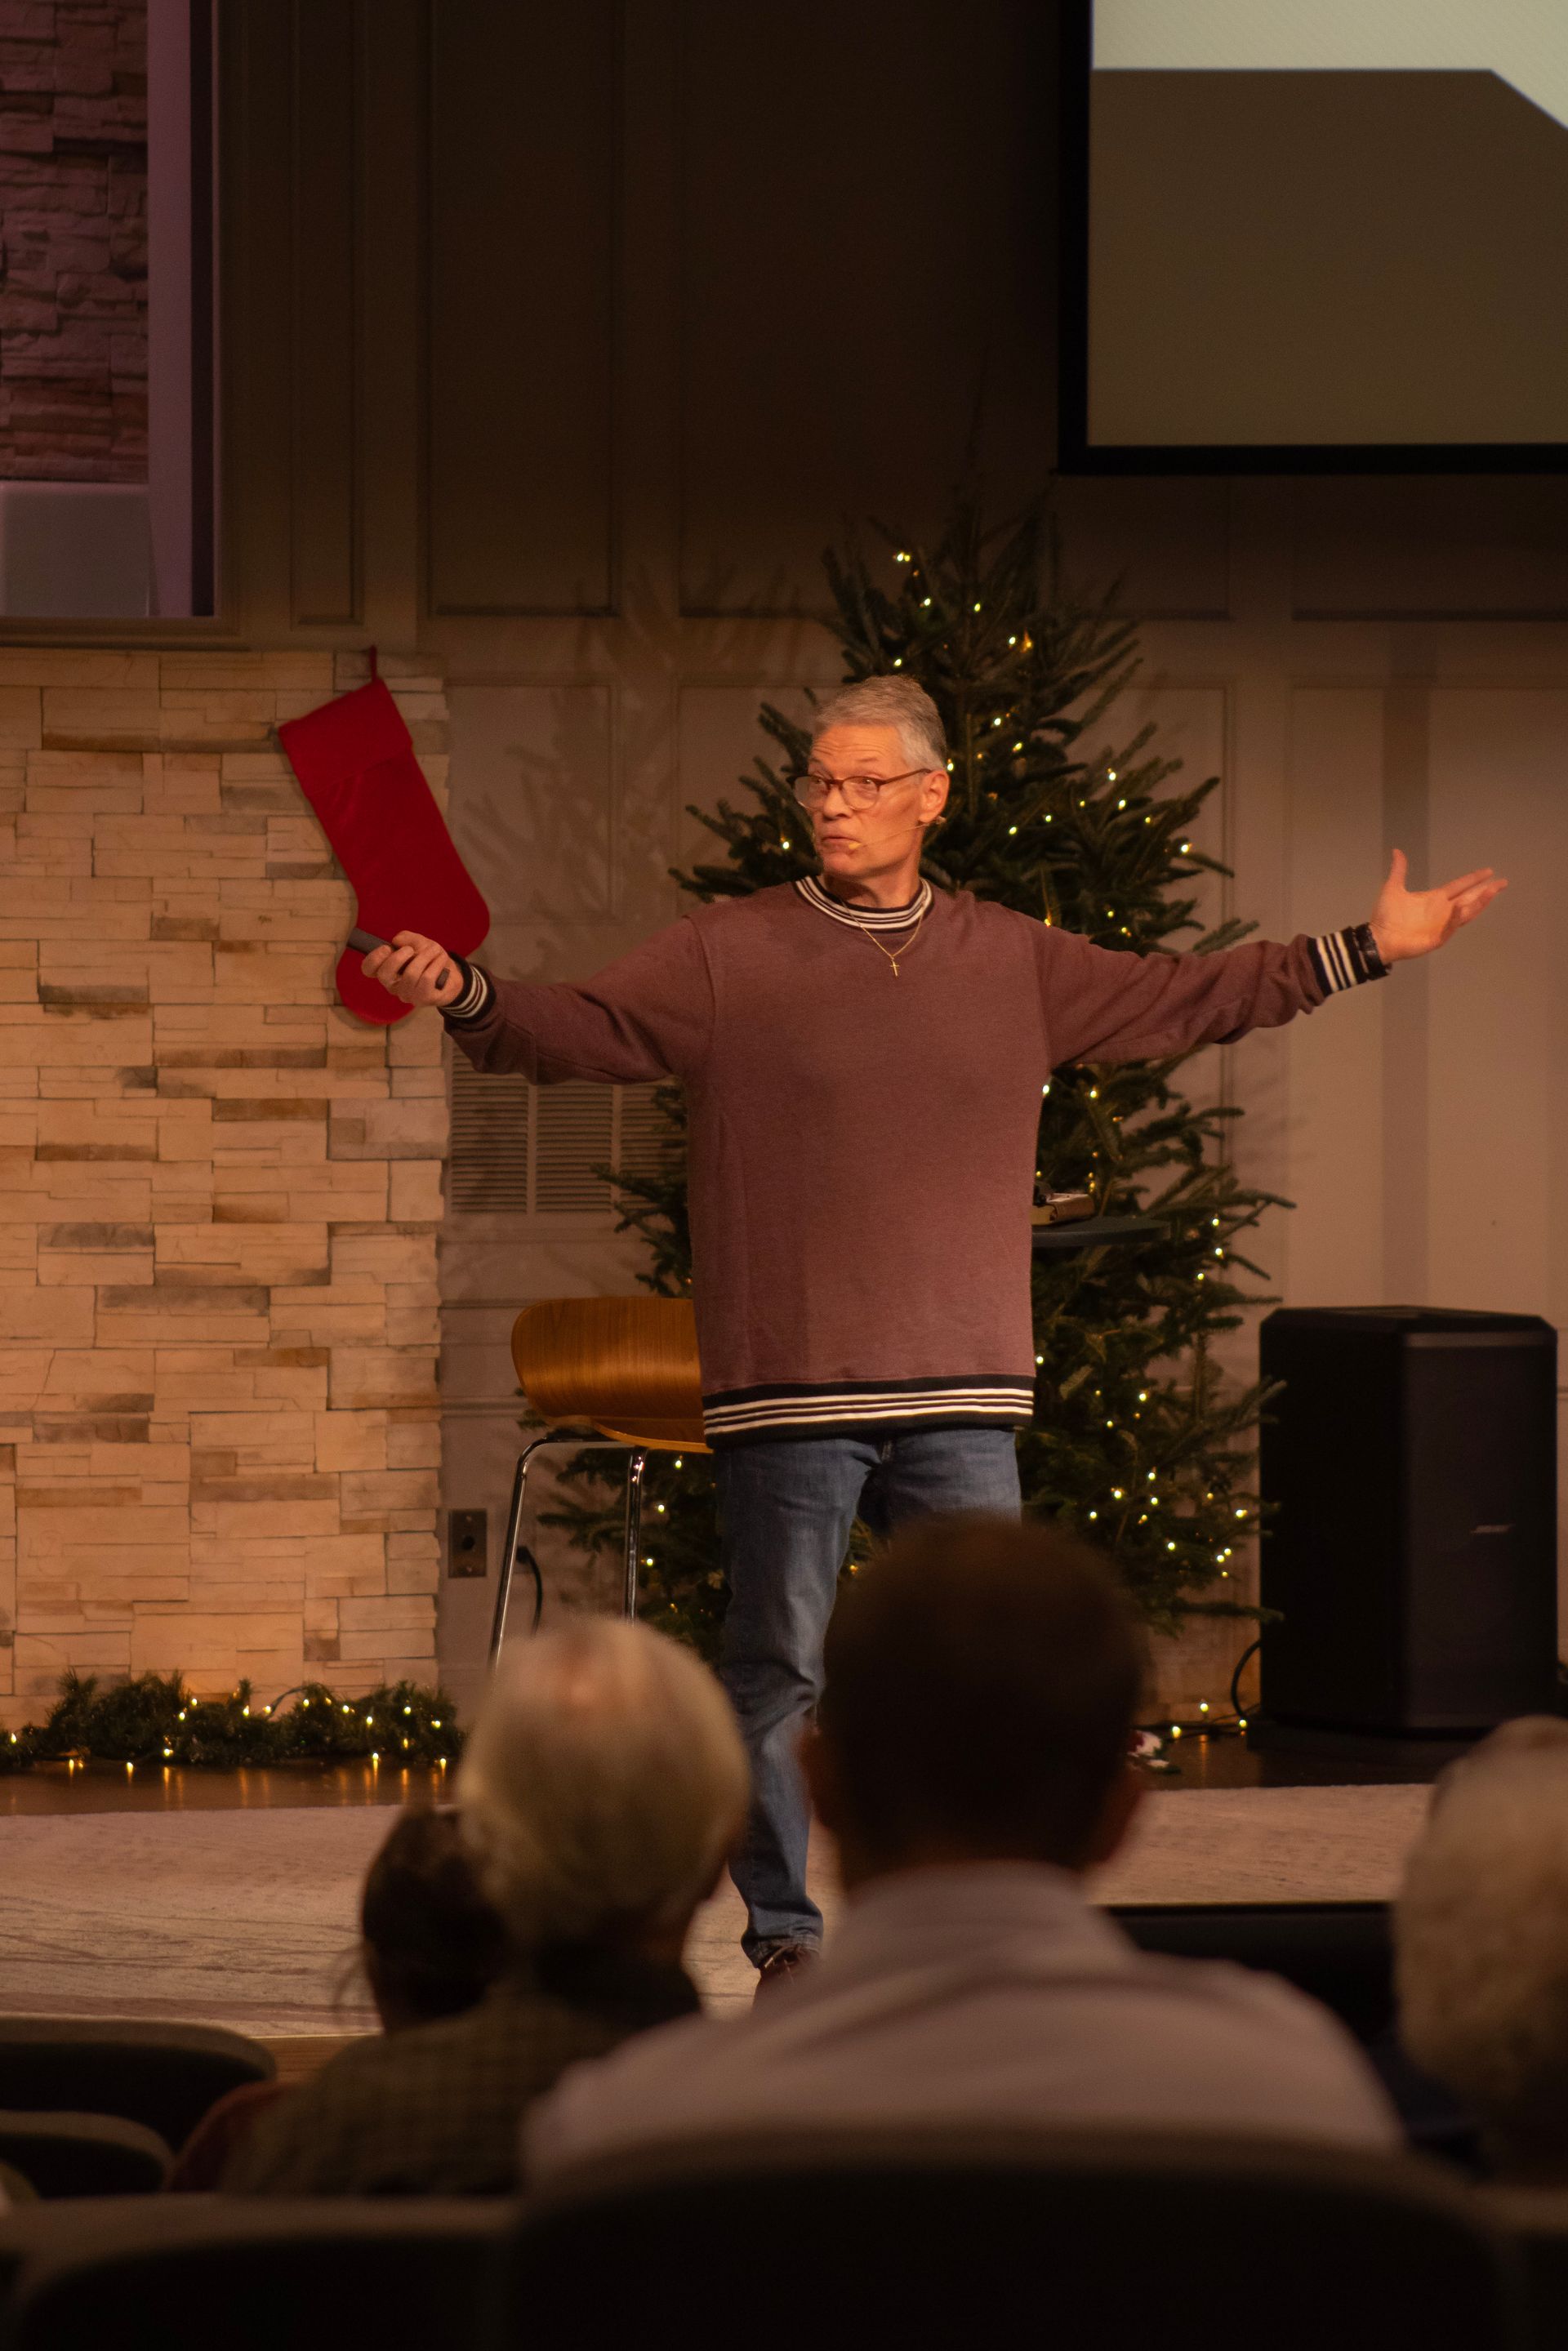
(1408, 1473)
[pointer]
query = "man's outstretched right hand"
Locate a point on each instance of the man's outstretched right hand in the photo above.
(415, 970)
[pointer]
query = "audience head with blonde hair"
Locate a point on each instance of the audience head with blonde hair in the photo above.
(1482, 1943)
(603, 1788)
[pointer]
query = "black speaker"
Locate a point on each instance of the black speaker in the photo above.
(1409, 1475)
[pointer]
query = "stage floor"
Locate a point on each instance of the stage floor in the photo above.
(231, 1899)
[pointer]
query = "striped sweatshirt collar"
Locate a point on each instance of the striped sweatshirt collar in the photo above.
(866, 918)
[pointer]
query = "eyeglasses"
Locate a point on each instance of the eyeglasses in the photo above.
(860, 792)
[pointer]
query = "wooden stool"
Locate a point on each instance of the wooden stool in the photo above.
(604, 1375)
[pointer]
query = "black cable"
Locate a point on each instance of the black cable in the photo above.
(526, 1558)
(1241, 1664)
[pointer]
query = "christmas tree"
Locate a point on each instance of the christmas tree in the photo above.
(1137, 1440)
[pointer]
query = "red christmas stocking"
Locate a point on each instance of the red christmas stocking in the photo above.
(356, 766)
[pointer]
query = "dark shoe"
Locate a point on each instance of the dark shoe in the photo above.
(786, 1960)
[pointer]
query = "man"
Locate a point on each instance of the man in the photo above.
(970, 1759)
(862, 1056)
(601, 1790)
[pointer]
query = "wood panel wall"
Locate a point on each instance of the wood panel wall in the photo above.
(520, 307)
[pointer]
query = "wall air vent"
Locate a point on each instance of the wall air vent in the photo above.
(532, 1151)
(490, 1141)
(572, 1130)
(643, 1135)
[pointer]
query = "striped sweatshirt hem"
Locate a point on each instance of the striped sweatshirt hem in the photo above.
(859, 1407)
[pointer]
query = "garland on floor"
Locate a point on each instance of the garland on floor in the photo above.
(155, 1719)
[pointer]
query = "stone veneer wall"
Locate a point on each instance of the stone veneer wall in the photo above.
(219, 1196)
(73, 240)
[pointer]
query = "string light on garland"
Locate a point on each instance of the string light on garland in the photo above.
(151, 1718)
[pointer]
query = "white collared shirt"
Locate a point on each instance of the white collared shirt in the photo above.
(985, 1993)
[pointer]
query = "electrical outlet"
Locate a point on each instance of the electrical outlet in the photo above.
(467, 1543)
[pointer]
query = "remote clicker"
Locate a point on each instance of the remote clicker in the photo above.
(365, 942)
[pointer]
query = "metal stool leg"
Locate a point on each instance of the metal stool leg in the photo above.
(636, 1464)
(509, 1548)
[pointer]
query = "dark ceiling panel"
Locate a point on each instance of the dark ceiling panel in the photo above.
(521, 305)
(867, 202)
(324, 175)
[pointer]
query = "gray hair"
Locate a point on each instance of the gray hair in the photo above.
(896, 702)
(1481, 1939)
(604, 1785)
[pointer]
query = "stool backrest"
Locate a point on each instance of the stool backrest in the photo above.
(627, 1366)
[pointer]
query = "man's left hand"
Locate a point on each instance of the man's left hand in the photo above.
(1406, 922)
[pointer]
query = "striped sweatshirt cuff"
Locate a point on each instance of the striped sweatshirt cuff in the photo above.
(1344, 960)
(475, 996)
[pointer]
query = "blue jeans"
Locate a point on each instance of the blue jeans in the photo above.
(785, 1513)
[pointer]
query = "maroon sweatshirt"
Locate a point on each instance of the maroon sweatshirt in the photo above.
(863, 1144)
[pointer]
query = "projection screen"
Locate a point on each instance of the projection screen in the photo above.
(1318, 231)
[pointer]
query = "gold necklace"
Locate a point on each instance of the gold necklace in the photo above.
(889, 952)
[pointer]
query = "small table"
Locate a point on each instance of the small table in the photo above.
(1096, 1232)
